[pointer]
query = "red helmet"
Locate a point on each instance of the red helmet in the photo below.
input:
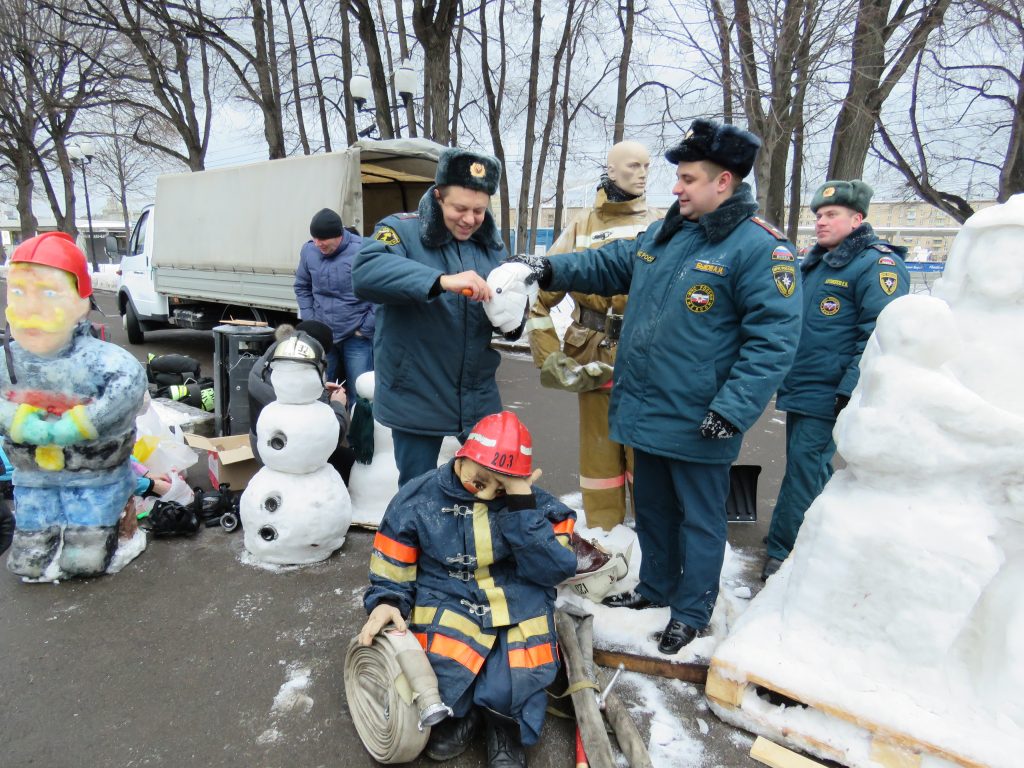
(500, 443)
(58, 250)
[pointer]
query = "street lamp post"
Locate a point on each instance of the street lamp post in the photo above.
(407, 85)
(81, 154)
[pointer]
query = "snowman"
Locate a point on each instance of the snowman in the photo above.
(373, 485)
(296, 509)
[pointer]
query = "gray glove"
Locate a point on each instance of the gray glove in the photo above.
(562, 372)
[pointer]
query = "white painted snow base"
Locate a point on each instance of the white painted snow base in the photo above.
(900, 608)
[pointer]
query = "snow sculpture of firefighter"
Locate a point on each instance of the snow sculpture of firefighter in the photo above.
(67, 410)
(296, 509)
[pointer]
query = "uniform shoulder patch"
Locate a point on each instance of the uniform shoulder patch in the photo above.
(782, 253)
(889, 281)
(784, 276)
(387, 235)
(887, 261)
(771, 229)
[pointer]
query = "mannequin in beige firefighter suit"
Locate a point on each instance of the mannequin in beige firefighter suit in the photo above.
(620, 212)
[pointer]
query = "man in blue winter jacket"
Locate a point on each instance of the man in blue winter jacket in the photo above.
(849, 277)
(712, 327)
(323, 289)
(427, 270)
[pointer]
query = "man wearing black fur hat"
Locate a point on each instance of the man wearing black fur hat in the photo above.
(849, 277)
(426, 270)
(712, 327)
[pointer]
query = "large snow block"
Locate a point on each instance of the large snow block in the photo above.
(893, 635)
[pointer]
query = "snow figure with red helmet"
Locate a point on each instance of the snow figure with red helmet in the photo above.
(67, 411)
(467, 557)
(296, 510)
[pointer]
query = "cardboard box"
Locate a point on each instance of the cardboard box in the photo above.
(230, 459)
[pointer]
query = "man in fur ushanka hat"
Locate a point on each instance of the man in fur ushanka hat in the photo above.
(427, 269)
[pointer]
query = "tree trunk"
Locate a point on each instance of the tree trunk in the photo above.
(378, 79)
(314, 66)
(293, 59)
(627, 17)
(433, 22)
(403, 51)
(344, 8)
(495, 94)
(529, 138)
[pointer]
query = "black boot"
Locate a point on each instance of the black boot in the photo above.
(451, 737)
(633, 600)
(771, 567)
(675, 636)
(504, 744)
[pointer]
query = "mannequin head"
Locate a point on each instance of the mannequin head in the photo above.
(628, 163)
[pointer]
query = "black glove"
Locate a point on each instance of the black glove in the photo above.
(539, 266)
(717, 427)
(841, 402)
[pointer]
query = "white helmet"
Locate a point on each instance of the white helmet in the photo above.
(597, 569)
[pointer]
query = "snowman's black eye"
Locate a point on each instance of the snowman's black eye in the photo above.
(268, 533)
(278, 441)
(272, 503)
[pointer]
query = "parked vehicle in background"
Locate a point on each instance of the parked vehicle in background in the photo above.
(224, 243)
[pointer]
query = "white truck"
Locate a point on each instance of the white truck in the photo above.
(224, 243)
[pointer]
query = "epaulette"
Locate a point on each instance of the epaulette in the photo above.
(768, 228)
(410, 215)
(884, 248)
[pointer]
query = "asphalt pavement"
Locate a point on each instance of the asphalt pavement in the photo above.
(193, 657)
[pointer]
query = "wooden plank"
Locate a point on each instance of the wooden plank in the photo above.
(893, 755)
(723, 690)
(693, 672)
(777, 756)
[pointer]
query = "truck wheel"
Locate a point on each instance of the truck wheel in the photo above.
(131, 325)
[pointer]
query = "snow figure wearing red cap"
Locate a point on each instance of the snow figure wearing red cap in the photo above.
(468, 556)
(67, 410)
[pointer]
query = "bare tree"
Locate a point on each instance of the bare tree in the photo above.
(434, 24)
(375, 62)
(884, 47)
(494, 81)
(529, 138)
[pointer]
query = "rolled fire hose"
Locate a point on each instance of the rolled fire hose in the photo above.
(392, 695)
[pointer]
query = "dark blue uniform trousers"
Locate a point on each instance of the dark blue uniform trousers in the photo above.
(681, 525)
(809, 452)
(415, 454)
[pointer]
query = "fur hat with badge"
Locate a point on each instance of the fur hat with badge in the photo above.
(853, 194)
(473, 170)
(726, 145)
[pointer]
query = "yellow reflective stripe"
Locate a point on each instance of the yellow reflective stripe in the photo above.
(386, 570)
(485, 556)
(81, 420)
(564, 540)
(457, 621)
(423, 615)
(18, 422)
(539, 324)
(524, 630)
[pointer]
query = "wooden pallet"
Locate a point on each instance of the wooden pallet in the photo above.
(889, 747)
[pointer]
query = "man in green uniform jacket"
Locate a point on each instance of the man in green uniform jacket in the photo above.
(712, 327)
(849, 276)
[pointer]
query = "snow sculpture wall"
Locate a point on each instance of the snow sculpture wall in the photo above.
(901, 606)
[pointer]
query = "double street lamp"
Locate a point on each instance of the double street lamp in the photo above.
(81, 154)
(406, 84)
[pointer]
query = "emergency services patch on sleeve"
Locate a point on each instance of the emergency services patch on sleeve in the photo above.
(889, 282)
(785, 278)
(387, 235)
(887, 261)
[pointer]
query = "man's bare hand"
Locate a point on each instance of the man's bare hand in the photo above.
(380, 617)
(521, 486)
(468, 284)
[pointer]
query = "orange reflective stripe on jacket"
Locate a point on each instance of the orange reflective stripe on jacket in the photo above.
(566, 526)
(457, 651)
(403, 553)
(536, 656)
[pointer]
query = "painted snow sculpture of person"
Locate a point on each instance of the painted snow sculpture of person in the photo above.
(67, 410)
(900, 605)
(296, 510)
